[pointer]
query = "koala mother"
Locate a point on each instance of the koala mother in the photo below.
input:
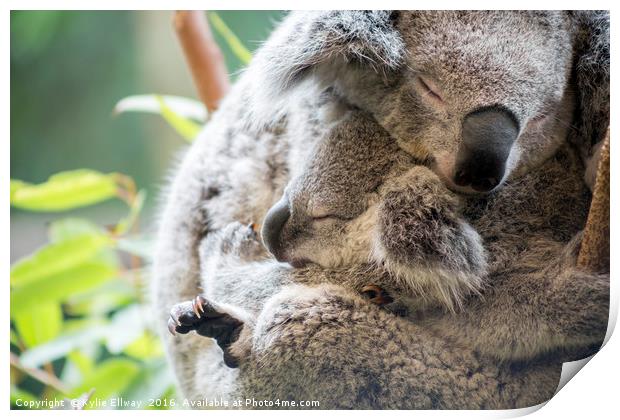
(430, 79)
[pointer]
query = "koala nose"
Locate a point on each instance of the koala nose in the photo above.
(272, 226)
(487, 137)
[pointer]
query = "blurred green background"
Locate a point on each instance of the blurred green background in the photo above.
(68, 70)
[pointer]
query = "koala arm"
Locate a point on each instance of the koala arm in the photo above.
(527, 311)
(421, 236)
(325, 343)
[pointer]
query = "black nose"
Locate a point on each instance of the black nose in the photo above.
(272, 226)
(487, 137)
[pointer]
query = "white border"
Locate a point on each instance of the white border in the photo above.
(593, 393)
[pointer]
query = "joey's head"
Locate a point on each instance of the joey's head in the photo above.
(483, 95)
(327, 212)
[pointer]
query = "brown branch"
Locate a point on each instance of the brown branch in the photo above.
(594, 252)
(203, 55)
(40, 375)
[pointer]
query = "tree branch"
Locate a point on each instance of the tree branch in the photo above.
(40, 375)
(203, 55)
(594, 252)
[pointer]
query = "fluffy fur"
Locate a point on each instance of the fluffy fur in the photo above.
(359, 198)
(324, 342)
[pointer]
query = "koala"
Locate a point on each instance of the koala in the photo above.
(329, 216)
(335, 212)
(437, 83)
(332, 222)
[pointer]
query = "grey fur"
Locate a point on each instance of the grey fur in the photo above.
(323, 341)
(360, 198)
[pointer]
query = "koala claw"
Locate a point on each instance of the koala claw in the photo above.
(207, 320)
(376, 295)
(198, 305)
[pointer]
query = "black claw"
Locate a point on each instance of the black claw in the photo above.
(201, 316)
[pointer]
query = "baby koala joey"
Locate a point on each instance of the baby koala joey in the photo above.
(359, 201)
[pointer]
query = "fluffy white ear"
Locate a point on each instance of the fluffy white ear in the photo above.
(591, 77)
(318, 43)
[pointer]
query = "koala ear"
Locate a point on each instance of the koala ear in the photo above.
(319, 43)
(591, 77)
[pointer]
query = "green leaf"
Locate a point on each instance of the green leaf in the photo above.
(16, 185)
(64, 191)
(147, 346)
(90, 331)
(101, 300)
(84, 363)
(185, 127)
(126, 223)
(108, 379)
(185, 107)
(126, 326)
(243, 54)
(56, 287)
(53, 259)
(39, 324)
(68, 228)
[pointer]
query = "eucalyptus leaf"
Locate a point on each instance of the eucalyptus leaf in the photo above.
(55, 258)
(16, 184)
(56, 287)
(84, 363)
(243, 54)
(102, 299)
(64, 191)
(39, 324)
(108, 379)
(147, 346)
(125, 224)
(71, 227)
(186, 128)
(92, 331)
(126, 326)
(185, 107)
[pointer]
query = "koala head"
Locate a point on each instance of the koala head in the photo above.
(327, 212)
(359, 198)
(480, 95)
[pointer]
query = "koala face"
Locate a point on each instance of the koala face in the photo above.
(478, 94)
(328, 211)
(481, 95)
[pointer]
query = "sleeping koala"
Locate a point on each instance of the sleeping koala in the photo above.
(359, 193)
(343, 208)
(336, 213)
(429, 79)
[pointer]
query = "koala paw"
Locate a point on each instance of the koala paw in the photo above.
(420, 224)
(376, 295)
(208, 320)
(235, 239)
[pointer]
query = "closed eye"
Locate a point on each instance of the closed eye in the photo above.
(429, 89)
(330, 217)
